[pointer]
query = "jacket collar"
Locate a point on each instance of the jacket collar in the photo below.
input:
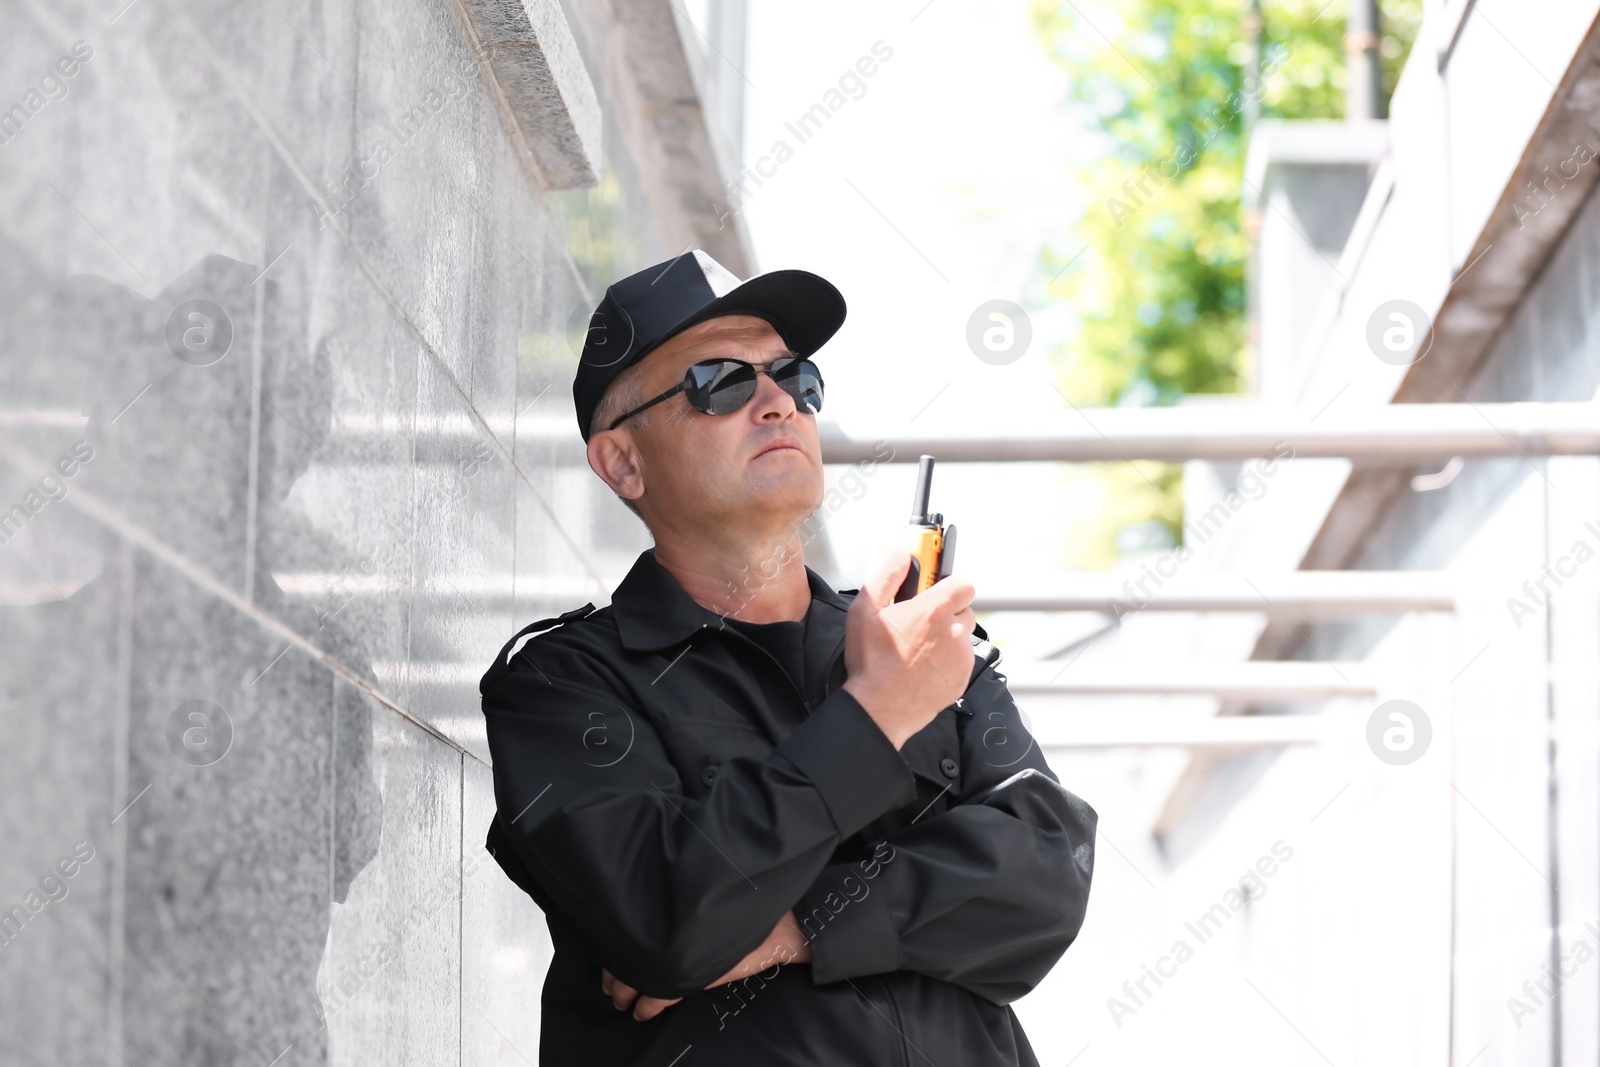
(653, 611)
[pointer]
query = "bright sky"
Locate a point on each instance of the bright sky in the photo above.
(924, 196)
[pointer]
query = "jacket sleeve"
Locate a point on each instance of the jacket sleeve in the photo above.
(671, 892)
(987, 894)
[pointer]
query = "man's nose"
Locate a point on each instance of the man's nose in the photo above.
(772, 397)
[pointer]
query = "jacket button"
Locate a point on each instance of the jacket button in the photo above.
(948, 766)
(709, 775)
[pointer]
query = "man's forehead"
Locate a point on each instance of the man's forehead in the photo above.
(730, 333)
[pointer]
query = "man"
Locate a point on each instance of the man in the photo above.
(767, 822)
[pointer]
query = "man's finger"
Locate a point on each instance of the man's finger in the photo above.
(885, 574)
(622, 994)
(649, 1007)
(957, 594)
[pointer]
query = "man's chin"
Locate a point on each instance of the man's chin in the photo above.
(791, 498)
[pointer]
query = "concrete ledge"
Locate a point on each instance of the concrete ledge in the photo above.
(1487, 290)
(664, 119)
(536, 64)
(1278, 143)
(1523, 229)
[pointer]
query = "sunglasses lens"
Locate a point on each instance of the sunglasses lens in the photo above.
(727, 387)
(721, 388)
(803, 381)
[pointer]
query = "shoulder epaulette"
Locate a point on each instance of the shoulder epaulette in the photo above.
(534, 628)
(503, 660)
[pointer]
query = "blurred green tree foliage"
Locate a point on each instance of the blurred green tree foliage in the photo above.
(1155, 268)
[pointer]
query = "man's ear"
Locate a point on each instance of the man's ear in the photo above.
(615, 459)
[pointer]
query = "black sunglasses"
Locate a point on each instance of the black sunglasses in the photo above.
(723, 386)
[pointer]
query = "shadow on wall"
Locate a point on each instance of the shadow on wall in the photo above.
(199, 792)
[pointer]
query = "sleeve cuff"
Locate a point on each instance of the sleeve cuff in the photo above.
(852, 763)
(850, 934)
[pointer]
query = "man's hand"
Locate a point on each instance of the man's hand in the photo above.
(906, 662)
(786, 944)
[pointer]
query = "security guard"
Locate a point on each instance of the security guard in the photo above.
(767, 822)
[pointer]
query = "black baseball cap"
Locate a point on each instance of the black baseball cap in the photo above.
(644, 310)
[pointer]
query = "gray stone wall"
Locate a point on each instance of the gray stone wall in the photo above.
(285, 456)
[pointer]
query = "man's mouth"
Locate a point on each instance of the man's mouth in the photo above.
(778, 446)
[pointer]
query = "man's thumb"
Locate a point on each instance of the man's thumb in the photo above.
(886, 574)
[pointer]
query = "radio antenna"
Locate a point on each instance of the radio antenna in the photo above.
(919, 501)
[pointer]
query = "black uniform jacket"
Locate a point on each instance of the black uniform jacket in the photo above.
(666, 793)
